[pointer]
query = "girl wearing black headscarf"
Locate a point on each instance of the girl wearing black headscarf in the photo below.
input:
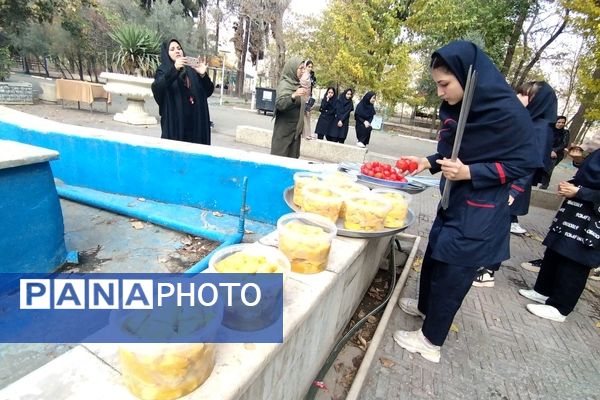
(572, 244)
(343, 108)
(181, 92)
(365, 111)
(327, 117)
(474, 230)
(542, 106)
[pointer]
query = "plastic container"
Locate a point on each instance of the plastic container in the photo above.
(338, 177)
(252, 258)
(301, 179)
(305, 239)
(349, 189)
(319, 198)
(396, 218)
(165, 371)
(366, 212)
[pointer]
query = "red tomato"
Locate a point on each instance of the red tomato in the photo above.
(402, 179)
(402, 165)
(379, 175)
(412, 166)
(386, 167)
(386, 172)
(393, 176)
(369, 172)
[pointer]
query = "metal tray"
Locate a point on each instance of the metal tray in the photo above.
(413, 186)
(288, 195)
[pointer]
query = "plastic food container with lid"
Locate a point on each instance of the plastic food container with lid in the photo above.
(321, 199)
(305, 239)
(396, 218)
(301, 179)
(366, 212)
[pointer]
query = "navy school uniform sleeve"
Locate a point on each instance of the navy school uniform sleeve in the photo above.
(485, 175)
(517, 187)
(435, 167)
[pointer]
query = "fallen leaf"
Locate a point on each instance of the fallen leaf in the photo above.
(217, 214)
(598, 324)
(386, 362)
(363, 343)
(248, 232)
(416, 265)
(361, 314)
(186, 240)
(454, 328)
(163, 260)
(372, 319)
(338, 366)
(357, 360)
(137, 225)
(250, 346)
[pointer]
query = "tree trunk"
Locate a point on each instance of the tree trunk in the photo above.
(538, 54)
(217, 27)
(241, 73)
(579, 118)
(277, 30)
(513, 41)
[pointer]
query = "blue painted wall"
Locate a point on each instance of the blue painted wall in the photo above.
(31, 222)
(170, 176)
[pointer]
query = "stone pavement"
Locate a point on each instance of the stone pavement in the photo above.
(498, 349)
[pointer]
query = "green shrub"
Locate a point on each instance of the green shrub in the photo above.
(4, 63)
(139, 50)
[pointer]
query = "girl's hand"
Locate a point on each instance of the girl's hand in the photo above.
(179, 63)
(567, 189)
(340, 124)
(367, 124)
(201, 67)
(454, 170)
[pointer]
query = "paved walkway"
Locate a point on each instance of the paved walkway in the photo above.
(498, 350)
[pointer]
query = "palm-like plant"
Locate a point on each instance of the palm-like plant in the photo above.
(139, 49)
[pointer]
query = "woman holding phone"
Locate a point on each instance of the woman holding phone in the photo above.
(181, 88)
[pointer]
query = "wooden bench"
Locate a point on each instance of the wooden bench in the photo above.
(81, 92)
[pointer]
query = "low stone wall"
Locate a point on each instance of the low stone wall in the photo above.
(16, 93)
(314, 149)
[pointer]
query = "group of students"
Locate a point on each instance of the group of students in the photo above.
(294, 103)
(503, 143)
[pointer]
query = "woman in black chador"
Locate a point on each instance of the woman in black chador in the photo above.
(181, 92)
(343, 108)
(327, 117)
(365, 111)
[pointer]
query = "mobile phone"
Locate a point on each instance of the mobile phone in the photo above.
(191, 61)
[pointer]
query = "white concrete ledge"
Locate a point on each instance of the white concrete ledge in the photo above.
(15, 154)
(316, 309)
(315, 149)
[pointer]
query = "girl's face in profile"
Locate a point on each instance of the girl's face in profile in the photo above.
(330, 93)
(448, 87)
(349, 94)
(523, 98)
(175, 51)
(373, 99)
(309, 67)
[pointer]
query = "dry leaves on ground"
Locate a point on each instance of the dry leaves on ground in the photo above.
(454, 328)
(386, 362)
(418, 261)
(137, 225)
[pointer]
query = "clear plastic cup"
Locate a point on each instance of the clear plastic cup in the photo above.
(349, 189)
(301, 179)
(305, 239)
(319, 198)
(396, 218)
(366, 212)
(338, 177)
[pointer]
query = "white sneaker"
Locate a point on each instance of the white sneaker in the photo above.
(595, 274)
(516, 228)
(484, 278)
(546, 311)
(416, 342)
(533, 265)
(361, 145)
(533, 295)
(410, 306)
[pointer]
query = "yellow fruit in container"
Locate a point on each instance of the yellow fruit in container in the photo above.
(165, 371)
(305, 239)
(396, 218)
(338, 178)
(349, 189)
(319, 199)
(366, 212)
(252, 258)
(301, 179)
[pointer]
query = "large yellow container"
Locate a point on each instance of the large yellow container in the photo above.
(366, 212)
(320, 199)
(305, 239)
(165, 371)
(301, 179)
(396, 218)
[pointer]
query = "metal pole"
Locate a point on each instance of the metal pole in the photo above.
(222, 79)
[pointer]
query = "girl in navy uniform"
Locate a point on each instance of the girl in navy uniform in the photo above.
(343, 107)
(497, 148)
(572, 244)
(365, 111)
(327, 117)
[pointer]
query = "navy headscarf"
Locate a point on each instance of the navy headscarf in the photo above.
(498, 126)
(365, 109)
(543, 109)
